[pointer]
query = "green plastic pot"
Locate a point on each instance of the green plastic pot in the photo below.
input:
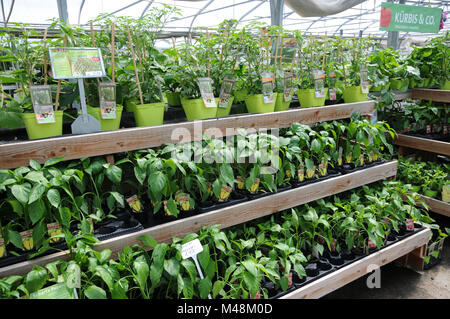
(397, 84)
(35, 130)
(195, 109)
(380, 87)
(255, 104)
(430, 193)
(130, 105)
(307, 98)
(106, 125)
(240, 95)
(149, 114)
(446, 86)
(353, 94)
(281, 104)
(415, 189)
(173, 98)
(224, 111)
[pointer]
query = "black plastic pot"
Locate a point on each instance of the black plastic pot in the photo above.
(312, 269)
(235, 198)
(117, 228)
(347, 255)
(334, 258)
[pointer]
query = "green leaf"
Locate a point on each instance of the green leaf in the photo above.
(204, 287)
(39, 232)
(35, 165)
(142, 271)
(54, 197)
(188, 288)
(53, 161)
(148, 241)
(36, 279)
(118, 197)
(217, 287)
(36, 211)
(105, 275)
(120, 289)
(21, 192)
(172, 266)
(252, 283)
(114, 174)
(36, 193)
(73, 276)
(284, 283)
(15, 238)
(158, 181)
(94, 292)
(251, 267)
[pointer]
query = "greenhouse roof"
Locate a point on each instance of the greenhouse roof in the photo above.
(209, 13)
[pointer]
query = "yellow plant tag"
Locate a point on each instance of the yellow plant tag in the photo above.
(135, 204)
(241, 183)
(54, 229)
(2, 247)
(27, 239)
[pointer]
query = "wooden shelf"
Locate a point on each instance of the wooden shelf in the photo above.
(109, 142)
(353, 271)
(431, 94)
(437, 206)
(399, 96)
(423, 144)
(230, 216)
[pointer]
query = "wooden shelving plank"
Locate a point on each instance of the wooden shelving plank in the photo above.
(353, 271)
(232, 215)
(86, 145)
(423, 144)
(437, 206)
(431, 94)
(399, 96)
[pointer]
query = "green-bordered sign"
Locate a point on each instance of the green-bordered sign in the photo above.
(75, 63)
(400, 17)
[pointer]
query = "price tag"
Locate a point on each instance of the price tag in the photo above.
(319, 83)
(206, 91)
(267, 87)
(364, 76)
(107, 94)
(287, 84)
(41, 97)
(225, 92)
(191, 249)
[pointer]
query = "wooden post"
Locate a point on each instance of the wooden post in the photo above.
(45, 58)
(138, 50)
(130, 43)
(113, 47)
(324, 52)
(58, 88)
(208, 66)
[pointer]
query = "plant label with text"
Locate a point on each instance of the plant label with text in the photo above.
(107, 94)
(191, 249)
(287, 86)
(206, 91)
(332, 89)
(319, 83)
(41, 97)
(267, 87)
(364, 76)
(225, 92)
(446, 193)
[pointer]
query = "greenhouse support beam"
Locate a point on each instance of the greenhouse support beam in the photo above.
(276, 12)
(62, 10)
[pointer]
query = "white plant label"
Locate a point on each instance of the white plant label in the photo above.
(364, 76)
(41, 97)
(206, 91)
(319, 83)
(107, 94)
(267, 87)
(225, 92)
(191, 249)
(287, 83)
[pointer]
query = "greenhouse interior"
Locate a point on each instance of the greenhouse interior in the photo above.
(240, 149)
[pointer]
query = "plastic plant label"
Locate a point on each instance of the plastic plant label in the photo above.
(349, 157)
(333, 245)
(107, 94)
(446, 193)
(225, 192)
(289, 277)
(191, 249)
(267, 87)
(135, 204)
(54, 229)
(428, 129)
(57, 291)
(225, 92)
(287, 86)
(256, 296)
(2, 246)
(320, 240)
(206, 91)
(361, 160)
(41, 97)
(241, 183)
(27, 239)
(445, 129)
(364, 76)
(301, 174)
(76, 63)
(332, 89)
(183, 200)
(255, 185)
(310, 172)
(319, 83)
(409, 223)
(371, 244)
(340, 156)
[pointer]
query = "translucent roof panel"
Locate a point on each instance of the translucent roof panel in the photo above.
(209, 13)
